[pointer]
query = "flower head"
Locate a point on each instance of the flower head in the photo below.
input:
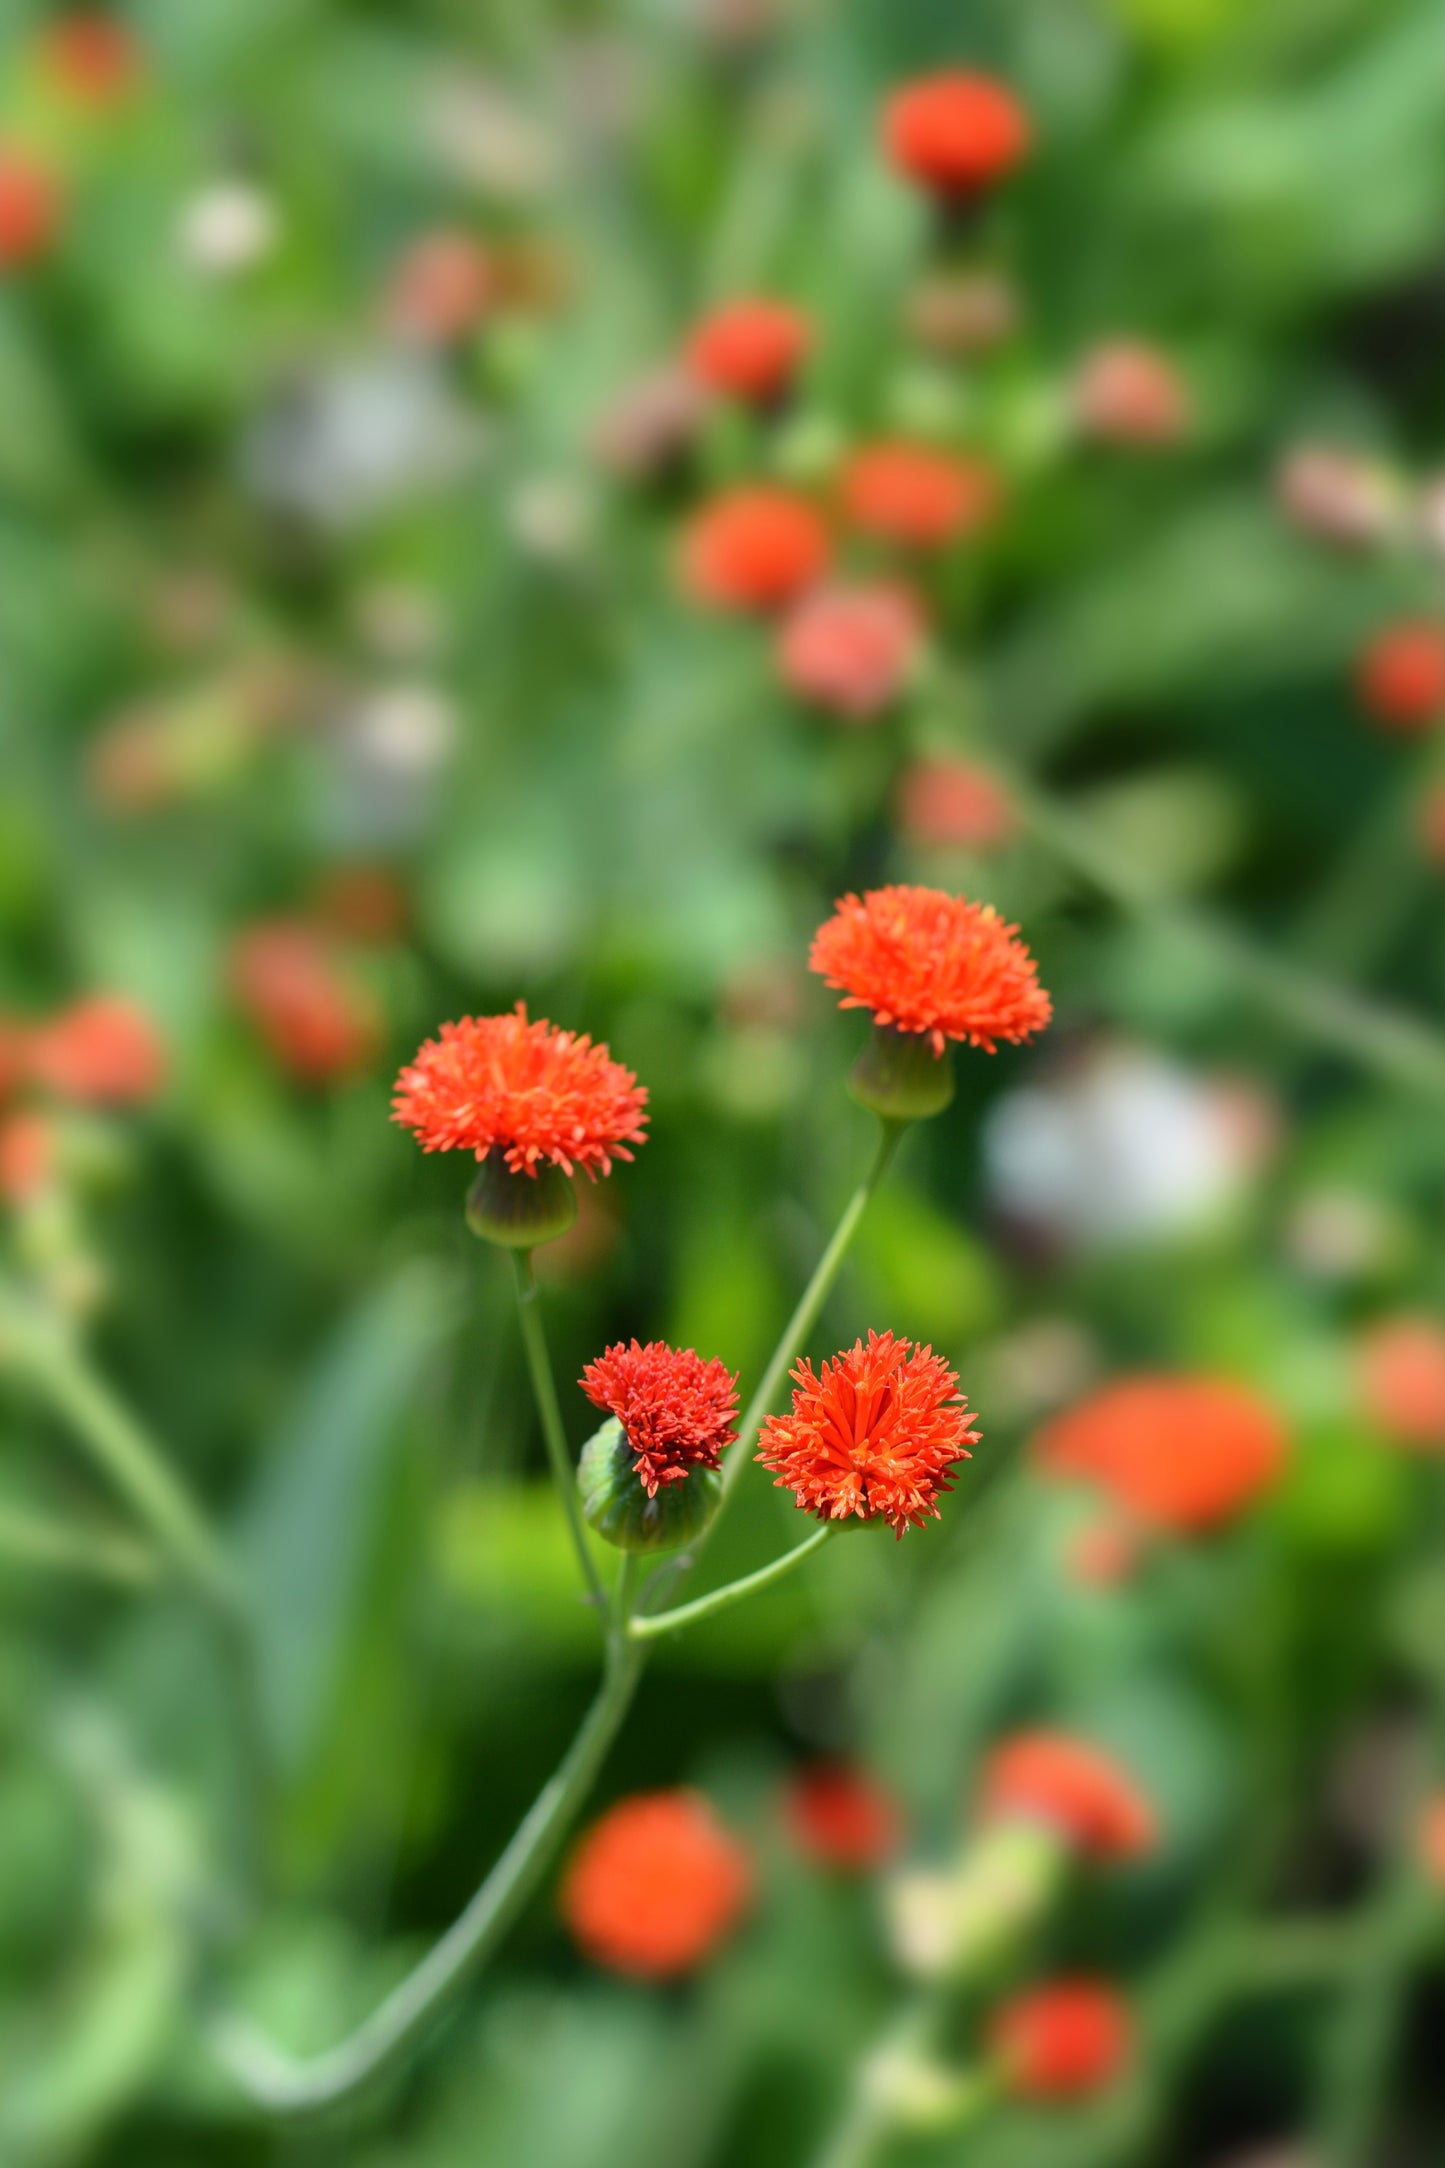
(1401, 676)
(876, 1434)
(1338, 497)
(1402, 1380)
(102, 1051)
(1050, 1776)
(754, 549)
(1062, 2040)
(849, 650)
(1430, 1839)
(1186, 1454)
(441, 288)
(923, 961)
(750, 349)
(917, 498)
(288, 980)
(955, 133)
(93, 56)
(1128, 393)
(949, 803)
(842, 1817)
(29, 208)
(676, 1410)
(655, 1885)
(525, 1089)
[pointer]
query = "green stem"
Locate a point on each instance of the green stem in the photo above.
(687, 1614)
(539, 1365)
(34, 1539)
(289, 2086)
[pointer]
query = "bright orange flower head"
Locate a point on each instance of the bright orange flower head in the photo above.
(849, 650)
(750, 349)
(1186, 1454)
(944, 802)
(103, 1051)
(287, 978)
(1430, 1839)
(676, 1410)
(876, 1434)
(1063, 2040)
(1401, 676)
(1402, 1380)
(955, 133)
(30, 208)
(525, 1089)
(754, 549)
(928, 962)
(914, 497)
(655, 1885)
(1050, 1776)
(842, 1817)
(93, 57)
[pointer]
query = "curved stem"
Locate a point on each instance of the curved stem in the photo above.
(539, 1365)
(687, 1614)
(289, 2086)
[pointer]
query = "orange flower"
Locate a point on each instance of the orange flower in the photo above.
(27, 1154)
(1186, 1454)
(100, 1052)
(1402, 1380)
(1430, 1839)
(842, 1817)
(915, 497)
(1063, 2040)
(945, 803)
(1401, 677)
(93, 57)
(753, 549)
(29, 209)
(525, 1089)
(1129, 393)
(849, 650)
(288, 980)
(751, 349)
(955, 133)
(876, 1434)
(675, 1409)
(441, 288)
(1049, 1776)
(927, 962)
(655, 1885)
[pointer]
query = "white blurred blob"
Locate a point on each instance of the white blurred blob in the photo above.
(228, 228)
(337, 447)
(393, 745)
(1339, 1234)
(553, 518)
(487, 140)
(1127, 1147)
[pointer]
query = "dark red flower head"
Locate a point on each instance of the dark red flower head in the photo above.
(103, 1051)
(1063, 2040)
(876, 1434)
(1185, 1454)
(655, 1885)
(93, 56)
(525, 1089)
(30, 208)
(955, 133)
(925, 961)
(842, 1817)
(676, 1410)
(750, 349)
(1401, 676)
(914, 497)
(1049, 1776)
(288, 979)
(754, 549)
(849, 650)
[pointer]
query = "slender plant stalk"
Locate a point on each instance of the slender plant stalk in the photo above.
(544, 1390)
(721, 1599)
(35, 1540)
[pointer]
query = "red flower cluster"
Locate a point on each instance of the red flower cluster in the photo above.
(1063, 2040)
(928, 962)
(754, 549)
(842, 1817)
(943, 803)
(1401, 677)
(876, 1434)
(750, 349)
(955, 133)
(1402, 1380)
(93, 57)
(102, 1051)
(676, 1410)
(525, 1089)
(1049, 1776)
(29, 208)
(914, 497)
(288, 980)
(1185, 1454)
(1129, 393)
(849, 650)
(655, 1885)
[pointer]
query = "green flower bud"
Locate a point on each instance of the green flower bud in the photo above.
(900, 1077)
(616, 1505)
(520, 1210)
